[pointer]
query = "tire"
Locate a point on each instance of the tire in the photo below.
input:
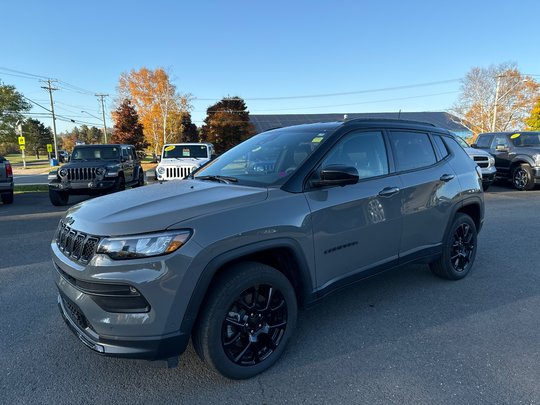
(522, 177)
(7, 198)
(459, 250)
(120, 184)
(238, 337)
(58, 198)
(140, 179)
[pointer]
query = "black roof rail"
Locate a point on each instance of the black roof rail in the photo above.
(394, 120)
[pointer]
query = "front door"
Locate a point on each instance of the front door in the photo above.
(356, 227)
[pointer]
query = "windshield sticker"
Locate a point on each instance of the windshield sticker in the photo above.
(317, 139)
(169, 148)
(185, 152)
(515, 136)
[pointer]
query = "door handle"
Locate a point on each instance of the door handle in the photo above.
(388, 191)
(447, 177)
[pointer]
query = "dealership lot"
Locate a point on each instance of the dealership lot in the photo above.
(404, 336)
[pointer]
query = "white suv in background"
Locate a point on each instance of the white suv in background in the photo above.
(178, 160)
(484, 160)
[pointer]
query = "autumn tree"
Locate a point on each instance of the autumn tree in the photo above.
(12, 105)
(479, 98)
(184, 129)
(533, 122)
(227, 124)
(157, 102)
(127, 128)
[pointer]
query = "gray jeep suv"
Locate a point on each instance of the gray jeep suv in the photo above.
(281, 220)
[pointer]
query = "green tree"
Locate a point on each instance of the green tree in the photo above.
(12, 105)
(227, 124)
(127, 128)
(533, 122)
(37, 136)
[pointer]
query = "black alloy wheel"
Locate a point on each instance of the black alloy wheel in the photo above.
(459, 249)
(254, 325)
(463, 247)
(522, 177)
(247, 319)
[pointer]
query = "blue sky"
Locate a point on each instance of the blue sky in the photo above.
(271, 49)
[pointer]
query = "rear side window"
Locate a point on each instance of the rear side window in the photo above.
(412, 150)
(483, 141)
(442, 151)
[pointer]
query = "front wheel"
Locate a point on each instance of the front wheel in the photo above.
(459, 250)
(58, 198)
(120, 184)
(247, 321)
(522, 177)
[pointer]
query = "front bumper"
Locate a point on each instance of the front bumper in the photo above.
(151, 333)
(83, 187)
(150, 348)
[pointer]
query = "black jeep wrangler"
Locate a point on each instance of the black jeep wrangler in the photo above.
(517, 156)
(96, 170)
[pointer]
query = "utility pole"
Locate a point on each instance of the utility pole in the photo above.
(102, 96)
(496, 102)
(50, 88)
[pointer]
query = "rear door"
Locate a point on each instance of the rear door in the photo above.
(429, 185)
(356, 227)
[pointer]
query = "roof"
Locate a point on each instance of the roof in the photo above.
(440, 119)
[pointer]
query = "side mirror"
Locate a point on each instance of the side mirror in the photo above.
(337, 175)
(123, 159)
(474, 145)
(501, 148)
(159, 158)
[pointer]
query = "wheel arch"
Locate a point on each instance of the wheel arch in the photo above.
(518, 160)
(285, 255)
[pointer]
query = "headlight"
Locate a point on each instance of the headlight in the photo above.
(132, 247)
(63, 172)
(536, 158)
(491, 161)
(100, 171)
(161, 170)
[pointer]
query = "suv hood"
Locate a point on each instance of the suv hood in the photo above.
(90, 163)
(476, 152)
(156, 207)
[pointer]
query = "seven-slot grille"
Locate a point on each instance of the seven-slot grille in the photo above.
(76, 245)
(178, 172)
(482, 161)
(82, 174)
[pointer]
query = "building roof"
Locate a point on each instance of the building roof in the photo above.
(440, 119)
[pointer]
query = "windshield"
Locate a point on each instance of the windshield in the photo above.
(96, 153)
(185, 151)
(268, 158)
(462, 142)
(529, 139)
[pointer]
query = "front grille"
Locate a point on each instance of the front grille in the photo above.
(178, 172)
(76, 245)
(482, 161)
(82, 174)
(75, 314)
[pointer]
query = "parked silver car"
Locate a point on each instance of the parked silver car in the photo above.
(484, 160)
(281, 220)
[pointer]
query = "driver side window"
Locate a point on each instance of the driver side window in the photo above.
(499, 140)
(364, 151)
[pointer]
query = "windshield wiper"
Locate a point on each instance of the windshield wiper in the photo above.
(221, 179)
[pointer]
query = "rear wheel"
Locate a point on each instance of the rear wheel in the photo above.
(246, 323)
(58, 198)
(7, 198)
(459, 250)
(522, 177)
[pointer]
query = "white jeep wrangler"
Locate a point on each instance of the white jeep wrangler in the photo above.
(178, 160)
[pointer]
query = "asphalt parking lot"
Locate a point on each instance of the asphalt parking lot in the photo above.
(401, 337)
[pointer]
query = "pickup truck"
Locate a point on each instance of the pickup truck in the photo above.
(6, 181)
